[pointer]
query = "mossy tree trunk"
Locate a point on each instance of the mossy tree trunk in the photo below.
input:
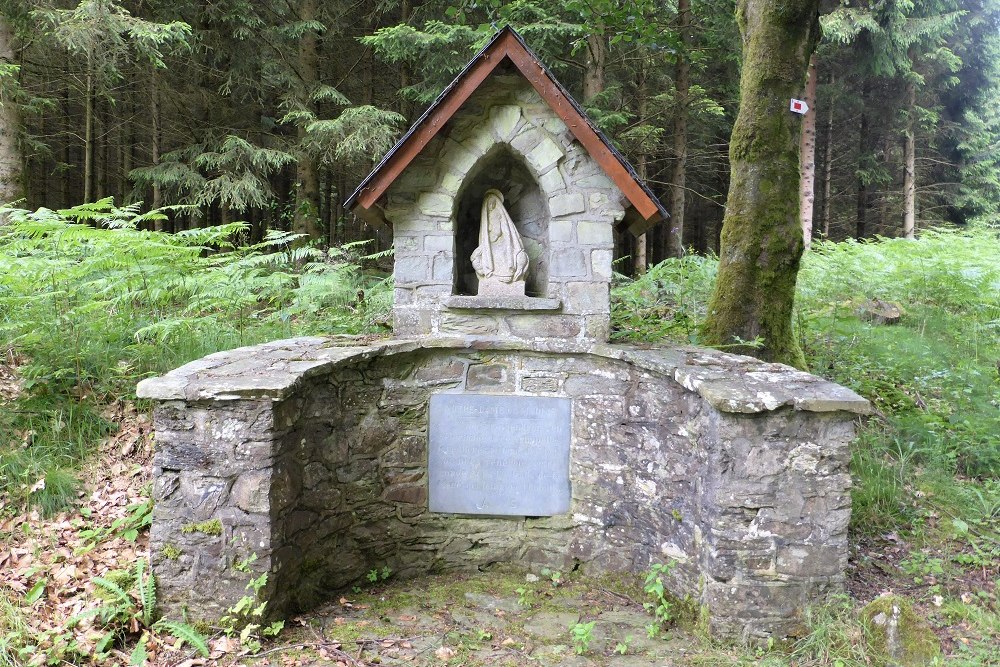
(761, 235)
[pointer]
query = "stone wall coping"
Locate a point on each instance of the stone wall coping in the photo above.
(535, 303)
(730, 383)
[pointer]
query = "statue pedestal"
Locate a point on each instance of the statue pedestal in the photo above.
(495, 287)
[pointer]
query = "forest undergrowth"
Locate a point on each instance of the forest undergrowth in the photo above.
(90, 304)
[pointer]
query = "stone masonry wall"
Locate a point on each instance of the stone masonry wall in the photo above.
(581, 206)
(735, 469)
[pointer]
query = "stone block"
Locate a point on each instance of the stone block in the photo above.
(551, 181)
(600, 181)
(402, 296)
(458, 158)
(595, 233)
(444, 267)
(451, 182)
(479, 141)
(566, 204)
(601, 263)
(487, 376)
(567, 262)
(561, 231)
(504, 119)
(540, 385)
(543, 326)
(435, 204)
(404, 244)
(544, 155)
(475, 324)
(411, 321)
(587, 297)
(439, 243)
(410, 270)
(250, 492)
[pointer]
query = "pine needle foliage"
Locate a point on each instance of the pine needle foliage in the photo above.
(94, 303)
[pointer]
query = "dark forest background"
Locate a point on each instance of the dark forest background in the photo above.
(272, 111)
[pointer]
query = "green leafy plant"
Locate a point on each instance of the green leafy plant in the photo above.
(245, 619)
(621, 648)
(129, 605)
(582, 634)
(660, 605)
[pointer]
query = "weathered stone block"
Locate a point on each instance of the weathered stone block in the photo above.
(594, 233)
(561, 231)
(439, 243)
(503, 119)
(436, 204)
(567, 263)
(543, 326)
(566, 204)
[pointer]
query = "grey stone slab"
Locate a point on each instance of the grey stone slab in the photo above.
(502, 303)
(499, 455)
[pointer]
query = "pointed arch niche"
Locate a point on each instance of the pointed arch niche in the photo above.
(503, 169)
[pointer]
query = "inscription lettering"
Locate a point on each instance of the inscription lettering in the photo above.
(499, 455)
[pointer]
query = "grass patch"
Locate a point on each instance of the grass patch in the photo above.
(92, 304)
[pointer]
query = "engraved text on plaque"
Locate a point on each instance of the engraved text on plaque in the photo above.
(500, 455)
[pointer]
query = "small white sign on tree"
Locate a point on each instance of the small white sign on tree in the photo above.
(799, 106)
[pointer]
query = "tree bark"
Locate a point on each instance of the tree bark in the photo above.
(11, 158)
(306, 219)
(862, 202)
(88, 135)
(640, 259)
(597, 61)
(761, 237)
(828, 169)
(910, 162)
(807, 159)
(678, 177)
(155, 139)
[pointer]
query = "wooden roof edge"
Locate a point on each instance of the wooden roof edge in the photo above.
(507, 43)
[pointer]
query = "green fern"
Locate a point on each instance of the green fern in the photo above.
(185, 633)
(146, 586)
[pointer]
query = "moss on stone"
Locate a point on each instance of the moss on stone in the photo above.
(170, 552)
(899, 632)
(210, 527)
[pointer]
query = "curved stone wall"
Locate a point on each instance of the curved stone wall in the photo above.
(316, 461)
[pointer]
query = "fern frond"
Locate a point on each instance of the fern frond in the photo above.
(146, 584)
(121, 596)
(185, 633)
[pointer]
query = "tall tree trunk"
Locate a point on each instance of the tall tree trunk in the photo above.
(100, 149)
(405, 10)
(828, 168)
(597, 62)
(761, 238)
(11, 158)
(807, 159)
(678, 177)
(640, 258)
(910, 162)
(306, 220)
(126, 147)
(862, 202)
(156, 138)
(88, 135)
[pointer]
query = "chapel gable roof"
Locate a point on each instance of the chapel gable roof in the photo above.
(644, 209)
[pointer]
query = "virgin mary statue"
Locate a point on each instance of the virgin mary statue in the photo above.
(500, 260)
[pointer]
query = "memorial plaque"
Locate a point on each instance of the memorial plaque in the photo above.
(500, 455)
